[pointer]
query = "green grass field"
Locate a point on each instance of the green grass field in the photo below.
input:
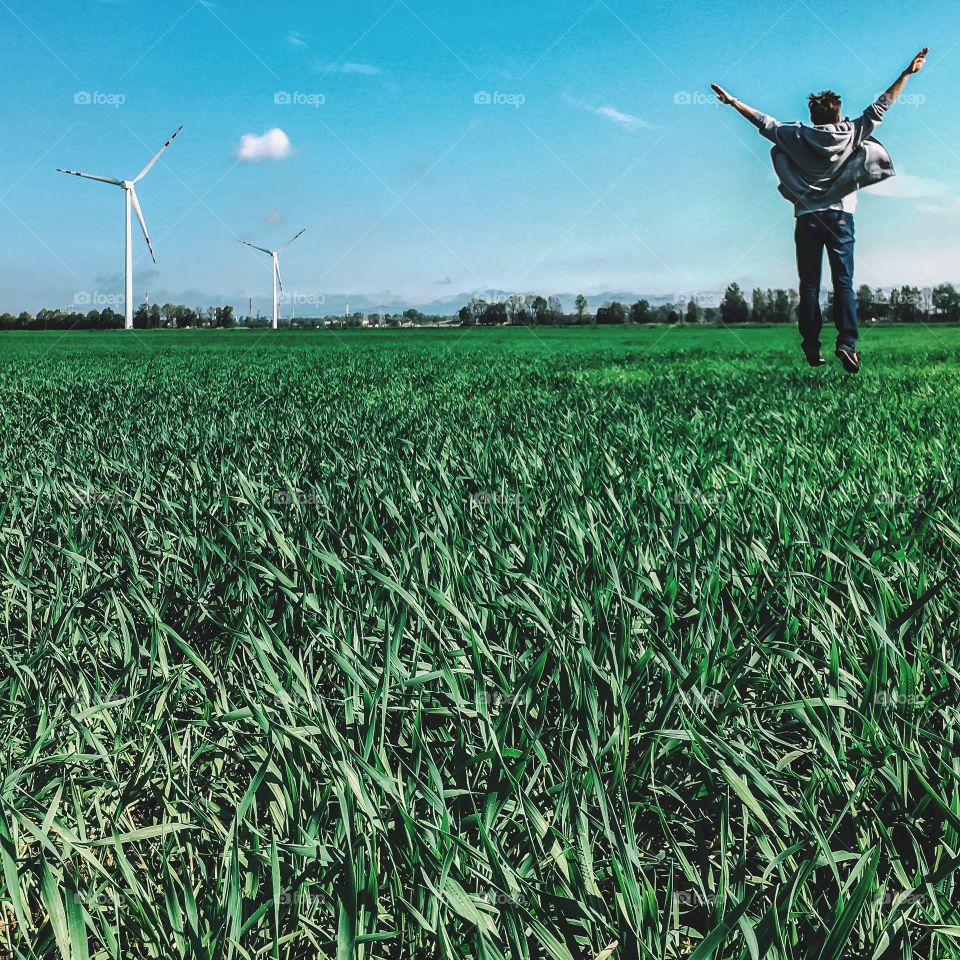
(479, 644)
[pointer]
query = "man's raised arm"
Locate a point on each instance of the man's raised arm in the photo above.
(874, 114)
(916, 66)
(746, 112)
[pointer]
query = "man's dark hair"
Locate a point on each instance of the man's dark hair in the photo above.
(824, 107)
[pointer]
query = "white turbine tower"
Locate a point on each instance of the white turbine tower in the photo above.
(277, 281)
(130, 202)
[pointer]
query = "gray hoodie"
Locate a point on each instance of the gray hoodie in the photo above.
(819, 166)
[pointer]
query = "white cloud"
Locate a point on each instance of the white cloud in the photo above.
(626, 120)
(272, 145)
(908, 187)
(365, 69)
(619, 117)
(949, 205)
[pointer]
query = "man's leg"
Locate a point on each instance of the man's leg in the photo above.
(840, 241)
(810, 267)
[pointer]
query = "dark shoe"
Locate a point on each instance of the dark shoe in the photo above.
(815, 361)
(849, 359)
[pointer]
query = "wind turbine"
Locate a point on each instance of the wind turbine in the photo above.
(277, 282)
(130, 201)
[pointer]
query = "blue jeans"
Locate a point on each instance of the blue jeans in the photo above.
(831, 230)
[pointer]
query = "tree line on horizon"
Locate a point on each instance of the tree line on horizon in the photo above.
(170, 315)
(897, 305)
(904, 304)
(146, 317)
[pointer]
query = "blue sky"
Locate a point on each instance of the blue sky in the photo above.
(599, 164)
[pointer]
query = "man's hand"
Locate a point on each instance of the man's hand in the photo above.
(918, 61)
(722, 94)
(916, 65)
(748, 113)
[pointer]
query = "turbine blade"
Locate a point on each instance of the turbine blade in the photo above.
(269, 253)
(143, 223)
(159, 153)
(279, 278)
(90, 176)
(291, 243)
